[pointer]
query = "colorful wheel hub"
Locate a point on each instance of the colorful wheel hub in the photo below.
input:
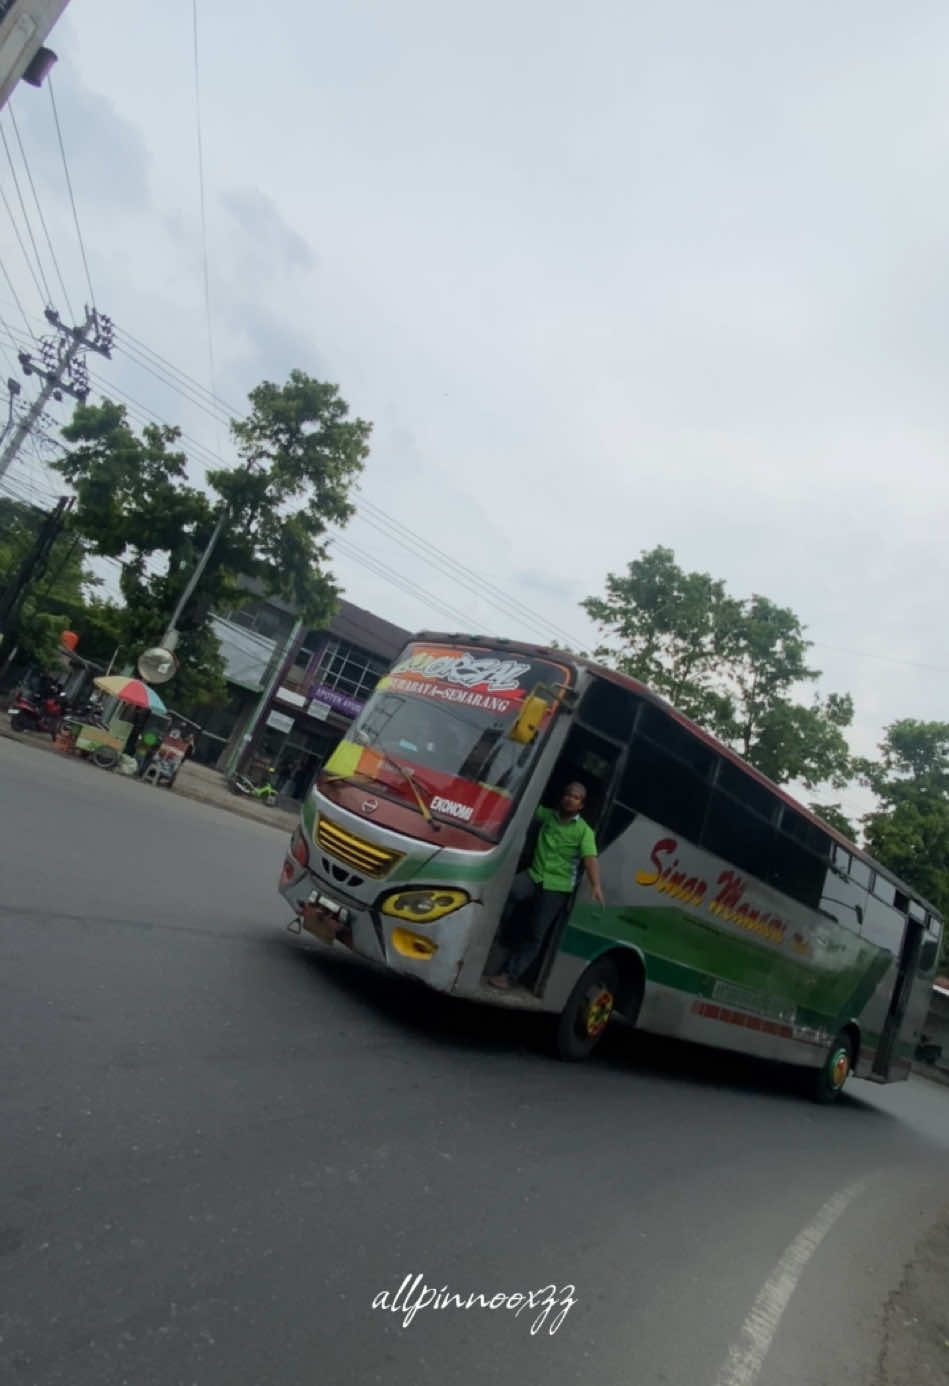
(599, 1010)
(839, 1068)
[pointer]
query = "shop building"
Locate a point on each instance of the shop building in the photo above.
(292, 693)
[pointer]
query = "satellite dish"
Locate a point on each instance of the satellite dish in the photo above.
(157, 665)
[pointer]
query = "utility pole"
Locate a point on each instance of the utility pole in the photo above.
(13, 389)
(169, 640)
(276, 670)
(33, 566)
(62, 368)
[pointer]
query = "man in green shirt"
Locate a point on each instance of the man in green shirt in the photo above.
(564, 842)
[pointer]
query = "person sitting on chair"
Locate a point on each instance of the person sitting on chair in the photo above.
(564, 841)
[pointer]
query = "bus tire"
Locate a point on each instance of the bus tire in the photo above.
(588, 1010)
(836, 1068)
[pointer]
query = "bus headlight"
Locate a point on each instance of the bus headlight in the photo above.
(424, 906)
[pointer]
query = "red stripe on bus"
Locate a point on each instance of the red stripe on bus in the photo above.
(750, 1022)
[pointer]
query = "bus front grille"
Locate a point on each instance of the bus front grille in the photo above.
(365, 856)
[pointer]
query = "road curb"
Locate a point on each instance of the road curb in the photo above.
(213, 796)
(935, 1075)
(275, 818)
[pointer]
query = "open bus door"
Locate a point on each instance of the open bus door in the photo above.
(909, 962)
(590, 759)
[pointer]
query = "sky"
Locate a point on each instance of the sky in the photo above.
(650, 274)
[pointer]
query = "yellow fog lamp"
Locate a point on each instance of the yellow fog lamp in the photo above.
(423, 906)
(413, 945)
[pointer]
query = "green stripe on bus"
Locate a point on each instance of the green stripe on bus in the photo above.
(481, 868)
(691, 955)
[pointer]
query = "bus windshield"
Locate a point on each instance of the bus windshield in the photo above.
(437, 729)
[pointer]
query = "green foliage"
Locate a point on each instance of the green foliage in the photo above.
(834, 815)
(913, 840)
(134, 503)
(909, 832)
(671, 629)
(913, 765)
(55, 599)
(300, 456)
(730, 664)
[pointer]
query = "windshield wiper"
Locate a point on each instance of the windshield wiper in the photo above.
(424, 809)
(410, 779)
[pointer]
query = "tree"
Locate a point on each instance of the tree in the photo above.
(834, 815)
(134, 503)
(55, 598)
(671, 627)
(300, 455)
(909, 831)
(732, 665)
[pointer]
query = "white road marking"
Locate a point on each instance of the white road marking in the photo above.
(747, 1353)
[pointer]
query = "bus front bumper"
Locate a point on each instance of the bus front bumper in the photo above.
(431, 955)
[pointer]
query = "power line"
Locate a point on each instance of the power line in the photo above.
(14, 365)
(396, 579)
(143, 413)
(39, 208)
(43, 482)
(509, 606)
(150, 570)
(46, 296)
(228, 409)
(886, 659)
(375, 515)
(24, 492)
(486, 591)
(72, 199)
(16, 299)
(19, 238)
(62, 369)
(204, 219)
(181, 388)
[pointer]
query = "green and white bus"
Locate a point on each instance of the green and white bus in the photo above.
(734, 917)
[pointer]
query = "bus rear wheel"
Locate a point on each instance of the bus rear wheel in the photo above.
(587, 1012)
(835, 1070)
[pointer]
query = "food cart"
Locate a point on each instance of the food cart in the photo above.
(104, 740)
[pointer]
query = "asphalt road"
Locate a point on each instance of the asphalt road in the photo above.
(220, 1145)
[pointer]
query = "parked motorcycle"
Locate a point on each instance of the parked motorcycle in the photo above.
(265, 792)
(30, 713)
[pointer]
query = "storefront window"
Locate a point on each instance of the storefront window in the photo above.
(263, 618)
(349, 670)
(297, 673)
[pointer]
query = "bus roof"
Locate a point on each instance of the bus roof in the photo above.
(625, 681)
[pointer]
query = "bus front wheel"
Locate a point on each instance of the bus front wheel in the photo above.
(588, 1010)
(835, 1070)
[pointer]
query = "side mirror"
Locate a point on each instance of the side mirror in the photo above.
(529, 720)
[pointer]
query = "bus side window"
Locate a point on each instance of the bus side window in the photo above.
(739, 835)
(663, 789)
(797, 872)
(610, 709)
(617, 821)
